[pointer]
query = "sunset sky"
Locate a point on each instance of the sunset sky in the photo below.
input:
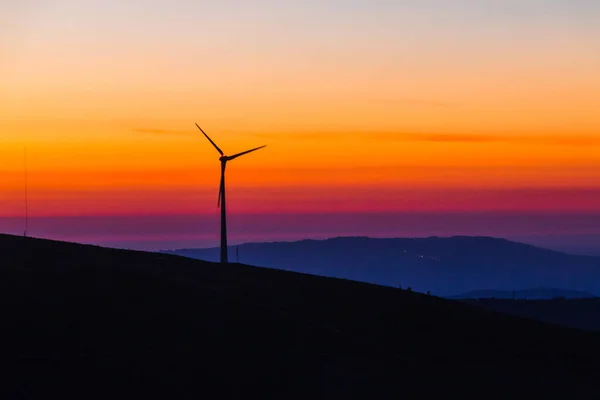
(465, 112)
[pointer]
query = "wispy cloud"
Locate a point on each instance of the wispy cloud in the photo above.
(414, 102)
(560, 140)
(432, 137)
(436, 137)
(160, 131)
(299, 135)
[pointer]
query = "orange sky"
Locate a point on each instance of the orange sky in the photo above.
(435, 109)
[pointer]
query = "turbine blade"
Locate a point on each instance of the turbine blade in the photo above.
(210, 140)
(245, 152)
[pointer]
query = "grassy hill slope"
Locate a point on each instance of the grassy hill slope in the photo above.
(89, 322)
(575, 313)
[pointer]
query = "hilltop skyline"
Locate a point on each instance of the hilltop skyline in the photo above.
(385, 107)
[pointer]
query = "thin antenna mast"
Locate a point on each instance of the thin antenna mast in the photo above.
(26, 192)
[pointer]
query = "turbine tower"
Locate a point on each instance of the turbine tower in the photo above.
(221, 200)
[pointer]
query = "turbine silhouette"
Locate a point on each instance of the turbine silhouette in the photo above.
(221, 200)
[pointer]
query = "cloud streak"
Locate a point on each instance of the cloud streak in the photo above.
(439, 137)
(414, 102)
(155, 131)
(433, 137)
(560, 140)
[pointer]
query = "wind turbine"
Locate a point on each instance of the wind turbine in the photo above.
(221, 200)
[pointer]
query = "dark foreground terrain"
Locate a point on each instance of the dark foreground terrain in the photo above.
(87, 322)
(575, 313)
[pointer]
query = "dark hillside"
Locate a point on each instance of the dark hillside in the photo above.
(575, 313)
(89, 322)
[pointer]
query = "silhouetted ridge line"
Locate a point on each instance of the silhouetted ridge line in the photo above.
(90, 322)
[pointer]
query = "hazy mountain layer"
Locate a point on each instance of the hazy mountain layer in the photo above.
(526, 294)
(444, 266)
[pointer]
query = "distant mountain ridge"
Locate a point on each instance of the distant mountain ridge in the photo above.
(535, 293)
(443, 265)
